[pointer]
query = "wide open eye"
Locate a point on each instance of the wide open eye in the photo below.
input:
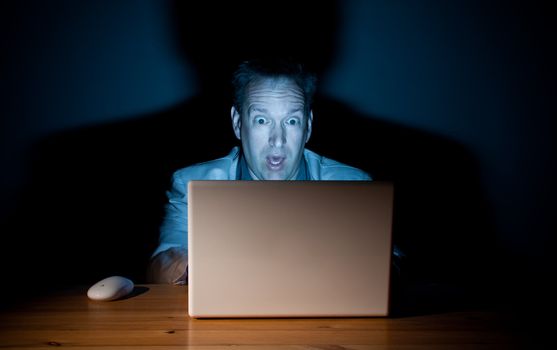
(260, 120)
(292, 121)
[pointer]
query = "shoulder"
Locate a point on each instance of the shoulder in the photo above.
(323, 168)
(223, 168)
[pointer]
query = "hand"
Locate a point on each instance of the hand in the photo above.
(169, 266)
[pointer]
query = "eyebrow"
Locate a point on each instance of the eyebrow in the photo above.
(257, 109)
(296, 110)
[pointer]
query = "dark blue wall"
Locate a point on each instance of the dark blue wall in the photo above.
(70, 64)
(479, 73)
(452, 100)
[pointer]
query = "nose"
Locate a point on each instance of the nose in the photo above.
(277, 138)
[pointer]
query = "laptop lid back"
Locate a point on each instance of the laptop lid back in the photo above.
(289, 248)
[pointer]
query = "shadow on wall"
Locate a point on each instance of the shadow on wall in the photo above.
(97, 194)
(441, 219)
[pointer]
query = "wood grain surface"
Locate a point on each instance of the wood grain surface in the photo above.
(155, 316)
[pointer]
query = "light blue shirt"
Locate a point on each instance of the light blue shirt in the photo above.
(174, 228)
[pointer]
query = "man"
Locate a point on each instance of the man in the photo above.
(272, 117)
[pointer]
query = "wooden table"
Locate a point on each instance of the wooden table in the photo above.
(156, 317)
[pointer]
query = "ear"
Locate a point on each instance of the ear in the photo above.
(236, 122)
(309, 125)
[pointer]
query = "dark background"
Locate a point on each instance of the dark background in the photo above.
(452, 101)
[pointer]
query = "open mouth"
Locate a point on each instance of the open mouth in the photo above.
(275, 162)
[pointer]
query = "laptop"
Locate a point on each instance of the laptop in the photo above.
(289, 248)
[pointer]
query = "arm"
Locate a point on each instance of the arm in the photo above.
(169, 262)
(169, 266)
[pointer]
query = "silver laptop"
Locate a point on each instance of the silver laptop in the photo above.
(289, 248)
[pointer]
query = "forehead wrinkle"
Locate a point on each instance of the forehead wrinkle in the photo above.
(269, 87)
(275, 93)
(263, 97)
(266, 95)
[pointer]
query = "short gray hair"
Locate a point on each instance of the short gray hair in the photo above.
(248, 71)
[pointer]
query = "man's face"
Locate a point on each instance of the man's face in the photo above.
(273, 128)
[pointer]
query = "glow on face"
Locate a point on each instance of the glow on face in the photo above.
(273, 129)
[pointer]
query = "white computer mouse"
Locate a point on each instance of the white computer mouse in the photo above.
(110, 288)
